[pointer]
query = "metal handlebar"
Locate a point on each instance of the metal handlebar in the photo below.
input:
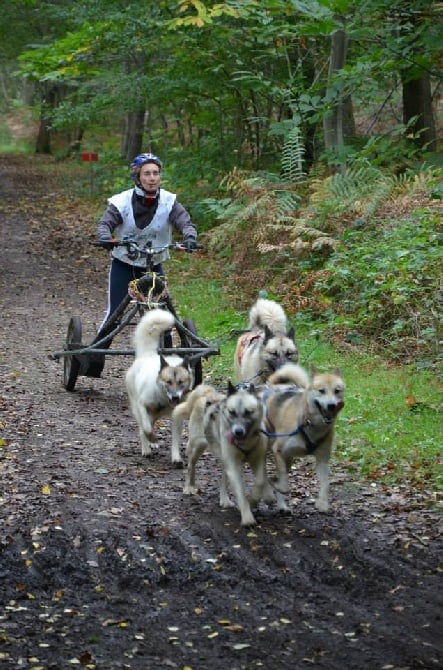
(133, 246)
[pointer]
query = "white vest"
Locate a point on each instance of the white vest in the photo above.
(159, 231)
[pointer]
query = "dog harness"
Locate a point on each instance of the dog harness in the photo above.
(245, 341)
(299, 430)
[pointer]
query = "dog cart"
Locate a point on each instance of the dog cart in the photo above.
(148, 292)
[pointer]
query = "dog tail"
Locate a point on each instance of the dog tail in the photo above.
(290, 374)
(149, 329)
(267, 313)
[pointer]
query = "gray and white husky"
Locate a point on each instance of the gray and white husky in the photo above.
(229, 426)
(266, 345)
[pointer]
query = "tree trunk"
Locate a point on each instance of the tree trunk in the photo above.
(416, 85)
(43, 143)
(348, 119)
(333, 122)
(417, 102)
(179, 126)
(133, 140)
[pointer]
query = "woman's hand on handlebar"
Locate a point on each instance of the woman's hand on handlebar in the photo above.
(185, 246)
(107, 244)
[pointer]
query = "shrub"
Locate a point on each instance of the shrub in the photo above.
(383, 283)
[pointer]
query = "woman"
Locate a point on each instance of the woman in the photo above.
(151, 213)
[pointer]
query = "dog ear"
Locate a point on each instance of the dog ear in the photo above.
(268, 333)
(291, 333)
(231, 388)
(163, 362)
(337, 371)
(312, 370)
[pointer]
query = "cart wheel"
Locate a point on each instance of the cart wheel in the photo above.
(71, 367)
(198, 368)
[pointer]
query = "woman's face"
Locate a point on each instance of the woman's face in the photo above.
(150, 177)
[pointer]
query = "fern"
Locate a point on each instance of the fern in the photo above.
(362, 190)
(293, 157)
(266, 209)
(285, 204)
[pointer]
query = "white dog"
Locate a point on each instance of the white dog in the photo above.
(155, 383)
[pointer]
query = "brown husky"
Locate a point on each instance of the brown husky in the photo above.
(155, 384)
(229, 426)
(300, 415)
(267, 345)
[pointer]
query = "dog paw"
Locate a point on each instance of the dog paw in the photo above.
(146, 450)
(283, 507)
(226, 503)
(254, 498)
(248, 520)
(322, 506)
(268, 495)
(191, 490)
(177, 464)
(279, 486)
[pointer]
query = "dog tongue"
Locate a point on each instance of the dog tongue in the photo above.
(230, 436)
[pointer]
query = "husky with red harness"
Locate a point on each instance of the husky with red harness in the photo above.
(267, 344)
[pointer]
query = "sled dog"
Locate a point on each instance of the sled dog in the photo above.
(266, 345)
(228, 425)
(155, 384)
(300, 411)
(193, 409)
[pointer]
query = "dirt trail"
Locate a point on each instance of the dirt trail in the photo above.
(104, 563)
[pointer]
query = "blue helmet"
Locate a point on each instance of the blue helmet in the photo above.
(140, 160)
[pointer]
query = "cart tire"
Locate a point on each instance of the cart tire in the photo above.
(198, 367)
(71, 364)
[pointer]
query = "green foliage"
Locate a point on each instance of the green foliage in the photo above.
(383, 285)
(225, 78)
(293, 155)
(372, 282)
(393, 150)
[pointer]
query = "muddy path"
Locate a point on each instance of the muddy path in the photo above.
(104, 563)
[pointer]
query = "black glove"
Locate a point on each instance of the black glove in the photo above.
(107, 244)
(190, 243)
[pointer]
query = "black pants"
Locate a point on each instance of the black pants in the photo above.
(120, 274)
